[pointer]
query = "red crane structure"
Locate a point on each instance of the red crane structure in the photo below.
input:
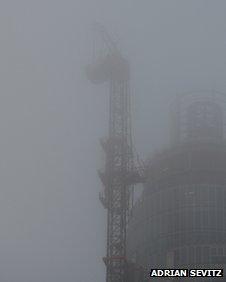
(120, 174)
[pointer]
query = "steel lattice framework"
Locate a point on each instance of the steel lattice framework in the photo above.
(119, 175)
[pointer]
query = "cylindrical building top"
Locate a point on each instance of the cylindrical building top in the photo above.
(198, 117)
(204, 121)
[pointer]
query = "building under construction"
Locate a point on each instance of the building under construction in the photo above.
(180, 219)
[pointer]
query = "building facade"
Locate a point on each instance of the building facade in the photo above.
(180, 219)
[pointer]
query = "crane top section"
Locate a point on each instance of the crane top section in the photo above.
(111, 66)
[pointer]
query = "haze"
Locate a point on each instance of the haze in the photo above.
(51, 117)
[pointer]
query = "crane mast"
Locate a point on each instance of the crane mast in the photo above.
(119, 175)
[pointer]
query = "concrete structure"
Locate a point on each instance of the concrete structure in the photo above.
(180, 219)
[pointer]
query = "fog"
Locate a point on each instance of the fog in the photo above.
(51, 117)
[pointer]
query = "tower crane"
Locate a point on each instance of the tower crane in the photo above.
(120, 174)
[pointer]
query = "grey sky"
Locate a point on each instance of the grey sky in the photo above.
(51, 117)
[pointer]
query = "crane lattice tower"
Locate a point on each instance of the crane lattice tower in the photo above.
(119, 174)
